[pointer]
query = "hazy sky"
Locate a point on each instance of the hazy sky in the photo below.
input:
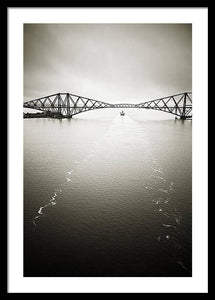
(108, 62)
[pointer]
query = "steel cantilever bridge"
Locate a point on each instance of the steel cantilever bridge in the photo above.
(66, 105)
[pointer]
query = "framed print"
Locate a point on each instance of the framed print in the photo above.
(104, 122)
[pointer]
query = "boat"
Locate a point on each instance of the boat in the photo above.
(122, 113)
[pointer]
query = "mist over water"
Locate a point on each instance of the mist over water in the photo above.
(108, 196)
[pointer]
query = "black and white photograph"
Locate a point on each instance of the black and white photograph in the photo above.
(107, 149)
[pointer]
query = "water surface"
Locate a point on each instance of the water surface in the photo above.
(107, 197)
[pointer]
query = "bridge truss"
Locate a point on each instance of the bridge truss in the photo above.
(67, 105)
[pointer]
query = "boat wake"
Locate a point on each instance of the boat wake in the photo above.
(43, 210)
(171, 217)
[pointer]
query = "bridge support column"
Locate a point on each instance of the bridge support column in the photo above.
(67, 105)
(183, 116)
(59, 103)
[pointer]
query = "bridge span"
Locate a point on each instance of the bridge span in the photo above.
(66, 105)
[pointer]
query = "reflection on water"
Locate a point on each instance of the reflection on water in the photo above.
(107, 198)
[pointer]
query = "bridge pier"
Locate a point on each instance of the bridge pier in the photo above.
(185, 117)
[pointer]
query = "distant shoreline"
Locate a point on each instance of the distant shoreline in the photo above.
(34, 116)
(42, 115)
